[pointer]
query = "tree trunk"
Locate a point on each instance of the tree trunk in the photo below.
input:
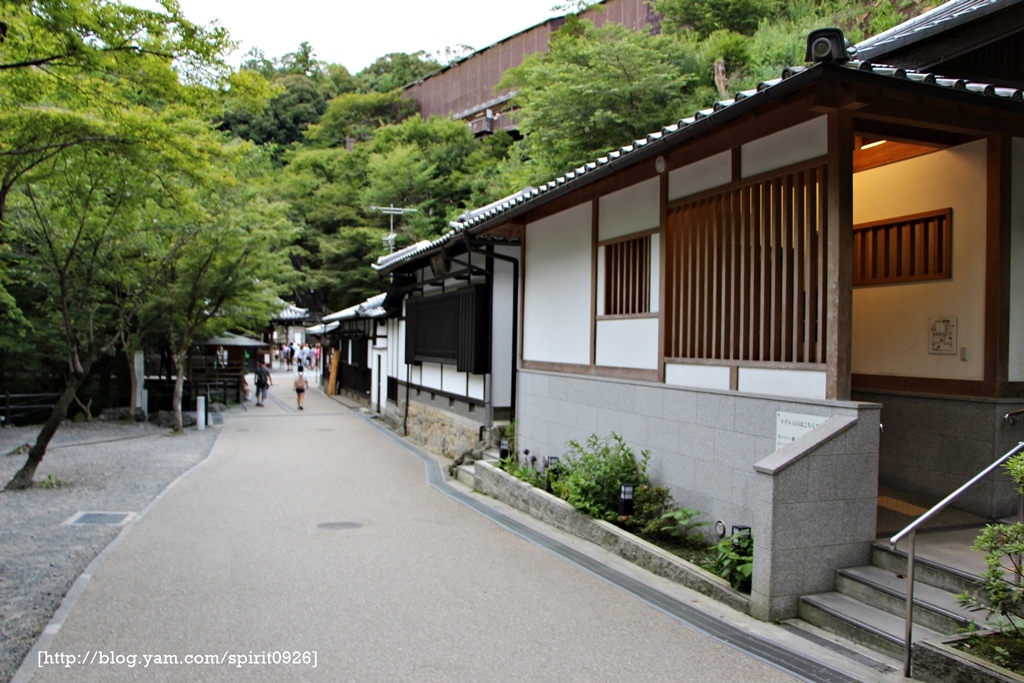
(179, 383)
(133, 378)
(721, 79)
(23, 477)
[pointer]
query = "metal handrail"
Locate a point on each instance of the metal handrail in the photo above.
(911, 530)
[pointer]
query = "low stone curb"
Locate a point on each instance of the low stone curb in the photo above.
(939, 662)
(552, 510)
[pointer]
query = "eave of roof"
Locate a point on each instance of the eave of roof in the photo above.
(371, 308)
(946, 17)
(792, 79)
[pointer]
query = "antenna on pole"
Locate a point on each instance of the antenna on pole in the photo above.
(392, 211)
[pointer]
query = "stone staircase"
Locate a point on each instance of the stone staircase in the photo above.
(869, 603)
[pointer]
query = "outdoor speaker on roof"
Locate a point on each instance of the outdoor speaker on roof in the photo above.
(828, 45)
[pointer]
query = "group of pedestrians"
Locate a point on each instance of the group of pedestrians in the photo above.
(303, 357)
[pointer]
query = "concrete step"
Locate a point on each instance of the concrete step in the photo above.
(465, 474)
(859, 622)
(885, 589)
(946, 578)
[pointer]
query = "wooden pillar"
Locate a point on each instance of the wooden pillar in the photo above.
(839, 255)
(997, 260)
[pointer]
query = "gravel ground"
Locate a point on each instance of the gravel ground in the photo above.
(101, 466)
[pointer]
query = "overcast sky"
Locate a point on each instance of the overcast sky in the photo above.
(354, 33)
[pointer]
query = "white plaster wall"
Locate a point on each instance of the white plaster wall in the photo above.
(697, 376)
(890, 322)
(632, 209)
(628, 343)
(378, 382)
(430, 376)
(502, 318)
(790, 383)
(556, 305)
(475, 387)
(453, 381)
(700, 175)
(805, 141)
(1016, 369)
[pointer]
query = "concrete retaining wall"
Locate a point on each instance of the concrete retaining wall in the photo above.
(812, 507)
(556, 512)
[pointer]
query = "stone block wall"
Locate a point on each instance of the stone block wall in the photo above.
(816, 502)
(439, 431)
(932, 445)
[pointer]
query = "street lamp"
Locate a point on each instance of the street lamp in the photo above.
(392, 211)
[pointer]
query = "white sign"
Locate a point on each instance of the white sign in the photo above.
(942, 333)
(791, 426)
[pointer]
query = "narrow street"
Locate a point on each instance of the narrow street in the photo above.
(310, 546)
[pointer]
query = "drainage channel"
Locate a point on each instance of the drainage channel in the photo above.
(772, 653)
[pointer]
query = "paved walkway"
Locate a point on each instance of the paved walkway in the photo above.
(314, 537)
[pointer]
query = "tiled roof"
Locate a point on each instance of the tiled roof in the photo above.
(943, 18)
(371, 308)
(293, 312)
(671, 135)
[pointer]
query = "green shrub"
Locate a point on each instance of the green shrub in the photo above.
(734, 560)
(679, 524)
(590, 476)
(1002, 584)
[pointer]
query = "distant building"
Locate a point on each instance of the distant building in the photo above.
(465, 89)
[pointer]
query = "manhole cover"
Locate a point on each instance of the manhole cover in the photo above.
(339, 525)
(101, 518)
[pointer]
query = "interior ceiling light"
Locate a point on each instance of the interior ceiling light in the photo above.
(876, 143)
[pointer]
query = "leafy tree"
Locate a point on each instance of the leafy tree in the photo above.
(599, 88)
(70, 67)
(347, 258)
(284, 121)
(355, 116)
(707, 16)
(77, 235)
(396, 70)
(229, 275)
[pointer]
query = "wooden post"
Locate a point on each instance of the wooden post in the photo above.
(331, 383)
(839, 231)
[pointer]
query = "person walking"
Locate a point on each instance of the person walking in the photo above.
(263, 381)
(300, 388)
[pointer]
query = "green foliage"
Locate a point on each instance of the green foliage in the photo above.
(1006, 651)
(679, 524)
(597, 89)
(704, 17)
(52, 482)
(734, 560)
(356, 116)
(1002, 584)
(396, 70)
(590, 476)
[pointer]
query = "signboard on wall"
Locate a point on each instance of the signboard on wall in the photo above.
(791, 426)
(942, 336)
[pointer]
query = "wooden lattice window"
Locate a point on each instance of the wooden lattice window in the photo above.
(627, 276)
(747, 271)
(904, 249)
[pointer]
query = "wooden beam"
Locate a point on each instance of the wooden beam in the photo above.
(839, 256)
